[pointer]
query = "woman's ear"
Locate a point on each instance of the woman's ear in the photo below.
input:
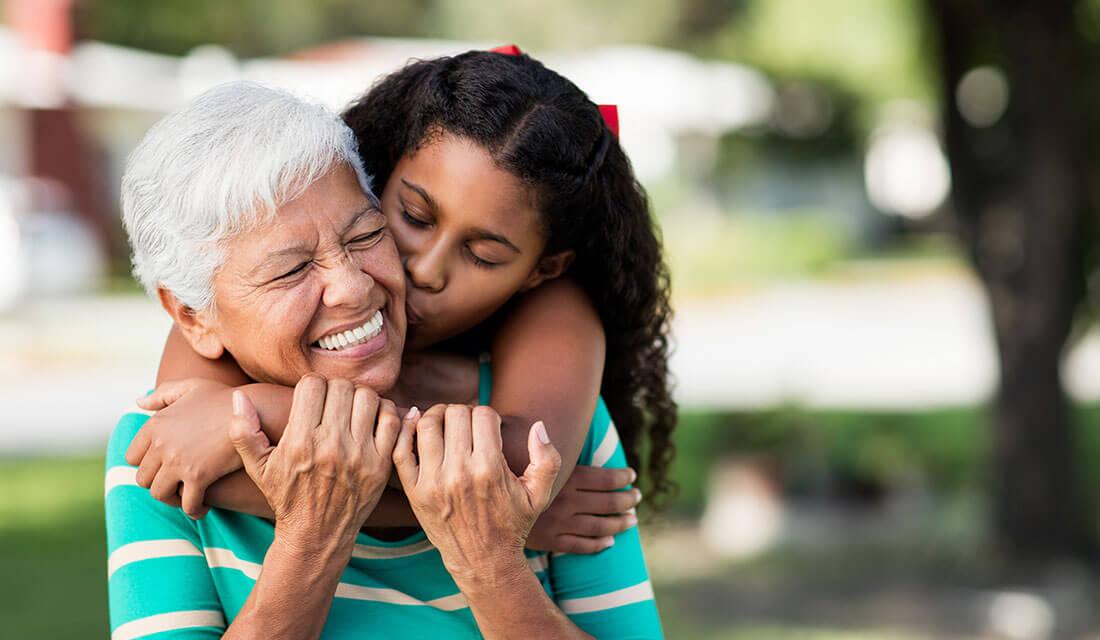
(549, 267)
(196, 326)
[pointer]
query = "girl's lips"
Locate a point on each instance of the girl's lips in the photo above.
(359, 351)
(412, 316)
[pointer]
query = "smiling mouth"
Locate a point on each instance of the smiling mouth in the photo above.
(352, 337)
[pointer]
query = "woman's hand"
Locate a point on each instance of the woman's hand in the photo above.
(472, 507)
(590, 510)
(184, 448)
(328, 471)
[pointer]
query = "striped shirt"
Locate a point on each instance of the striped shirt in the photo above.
(173, 577)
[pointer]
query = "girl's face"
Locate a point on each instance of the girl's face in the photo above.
(469, 236)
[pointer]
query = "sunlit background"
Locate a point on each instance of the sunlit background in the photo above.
(880, 220)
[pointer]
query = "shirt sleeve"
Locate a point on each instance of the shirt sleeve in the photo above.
(159, 584)
(607, 594)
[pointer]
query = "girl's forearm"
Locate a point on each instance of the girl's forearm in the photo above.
(272, 402)
(237, 492)
(179, 361)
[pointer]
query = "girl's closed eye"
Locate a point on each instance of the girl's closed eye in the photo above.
(413, 220)
(481, 262)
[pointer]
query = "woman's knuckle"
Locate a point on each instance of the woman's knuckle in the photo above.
(483, 473)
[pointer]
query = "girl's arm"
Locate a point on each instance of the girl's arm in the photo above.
(547, 365)
(548, 358)
(180, 362)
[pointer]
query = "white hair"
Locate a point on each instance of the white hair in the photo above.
(216, 167)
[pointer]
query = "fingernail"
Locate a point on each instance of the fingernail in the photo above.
(637, 496)
(238, 403)
(631, 519)
(540, 431)
(413, 414)
(608, 542)
(633, 476)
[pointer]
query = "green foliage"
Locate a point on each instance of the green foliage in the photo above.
(714, 253)
(568, 24)
(876, 49)
(246, 27)
(947, 450)
(944, 449)
(253, 27)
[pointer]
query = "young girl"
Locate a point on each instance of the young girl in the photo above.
(523, 232)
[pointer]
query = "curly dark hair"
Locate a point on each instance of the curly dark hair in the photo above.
(541, 128)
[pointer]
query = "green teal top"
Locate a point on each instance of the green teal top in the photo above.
(173, 577)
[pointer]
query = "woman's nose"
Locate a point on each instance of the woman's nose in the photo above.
(348, 286)
(427, 270)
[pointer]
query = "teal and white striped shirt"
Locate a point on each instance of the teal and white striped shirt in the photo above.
(173, 577)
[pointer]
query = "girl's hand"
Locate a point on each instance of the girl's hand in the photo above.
(589, 511)
(472, 507)
(328, 471)
(167, 393)
(185, 447)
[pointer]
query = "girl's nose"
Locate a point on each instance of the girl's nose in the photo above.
(426, 269)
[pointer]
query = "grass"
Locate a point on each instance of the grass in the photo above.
(54, 549)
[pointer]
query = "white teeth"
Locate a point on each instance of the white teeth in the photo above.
(352, 337)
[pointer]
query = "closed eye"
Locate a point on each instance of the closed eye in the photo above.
(368, 238)
(293, 272)
(480, 262)
(416, 222)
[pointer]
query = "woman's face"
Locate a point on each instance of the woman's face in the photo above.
(468, 233)
(320, 289)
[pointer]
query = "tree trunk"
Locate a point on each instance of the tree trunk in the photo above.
(1021, 199)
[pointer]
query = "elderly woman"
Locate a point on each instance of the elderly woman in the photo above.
(216, 199)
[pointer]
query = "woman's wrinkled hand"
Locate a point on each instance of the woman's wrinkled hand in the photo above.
(329, 469)
(472, 507)
(594, 506)
(184, 447)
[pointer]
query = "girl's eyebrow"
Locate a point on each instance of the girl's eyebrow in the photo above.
(482, 234)
(421, 192)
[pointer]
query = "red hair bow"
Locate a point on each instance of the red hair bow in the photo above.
(610, 112)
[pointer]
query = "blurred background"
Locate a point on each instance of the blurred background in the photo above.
(880, 217)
